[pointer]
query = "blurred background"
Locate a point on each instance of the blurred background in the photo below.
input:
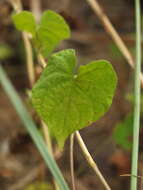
(109, 140)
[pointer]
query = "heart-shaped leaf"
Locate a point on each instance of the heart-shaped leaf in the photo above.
(51, 30)
(69, 98)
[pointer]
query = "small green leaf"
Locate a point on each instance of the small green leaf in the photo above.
(39, 186)
(25, 21)
(67, 98)
(5, 51)
(52, 30)
(123, 132)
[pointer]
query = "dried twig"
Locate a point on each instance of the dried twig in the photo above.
(90, 161)
(113, 33)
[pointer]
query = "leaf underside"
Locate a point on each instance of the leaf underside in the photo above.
(67, 98)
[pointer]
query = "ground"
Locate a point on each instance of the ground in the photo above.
(20, 162)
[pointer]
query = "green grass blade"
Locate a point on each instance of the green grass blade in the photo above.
(137, 92)
(31, 127)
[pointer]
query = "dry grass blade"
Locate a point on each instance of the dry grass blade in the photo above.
(113, 33)
(91, 161)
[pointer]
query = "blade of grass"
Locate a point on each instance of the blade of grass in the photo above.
(31, 128)
(137, 94)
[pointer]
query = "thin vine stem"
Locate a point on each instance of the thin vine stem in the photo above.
(17, 5)
(44, 126)
(137, 95)
(90, 160)
(29, 57)
(47, 137)
(72, 161)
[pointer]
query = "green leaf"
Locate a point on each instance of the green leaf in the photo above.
(123, 132)
(52, 30)
(25, 21)
(5, 51)
(39, 186)
(67, 98)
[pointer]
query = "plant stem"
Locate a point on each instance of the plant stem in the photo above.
(44, 126)
(47, 137)
(29, 57)
(91, 161)
(72, 160)
(41, 61)
(113, 33)
(137, 92)
(36, 9)
(49, 145)
(17, 5)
